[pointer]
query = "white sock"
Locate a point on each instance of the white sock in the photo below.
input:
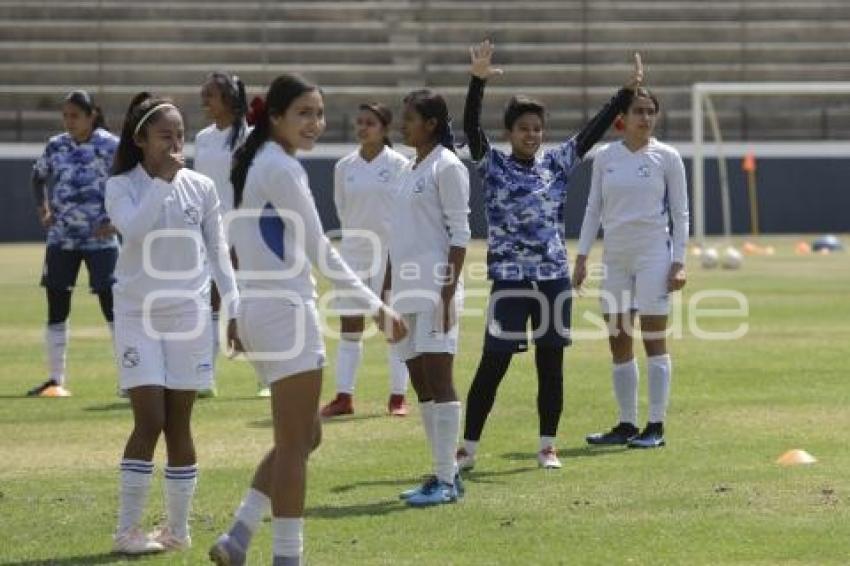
(288, 536)
(471, 446)
(135, 483)
(426, 409)
(348, 356)
(547, 442)
(180, 482)
(398, 373)
(216, 339)
(660, 370)
(254, 507)
(56, 340)
(446, 432)
(625, 378)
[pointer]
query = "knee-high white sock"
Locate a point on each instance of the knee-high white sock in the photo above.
(446, 433)
(287, 537)
(348, 356)
(660, 370)
(625, 378)
(426, 409)
(56, 340)
(180, 482)
(135, 483)
(216, 339)
(398, 373)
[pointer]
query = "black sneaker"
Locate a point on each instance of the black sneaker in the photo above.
(617, 436)
(651, 437)
(39, 389)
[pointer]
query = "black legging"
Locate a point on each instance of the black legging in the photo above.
(491, 370)
(59, 305)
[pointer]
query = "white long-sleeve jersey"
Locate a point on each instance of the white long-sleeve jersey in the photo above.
(278, 235)
(172, 241)
(213, 158)
(636, 197)
(430, 215)
(363, 193)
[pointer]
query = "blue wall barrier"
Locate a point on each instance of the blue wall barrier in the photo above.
(796, 195)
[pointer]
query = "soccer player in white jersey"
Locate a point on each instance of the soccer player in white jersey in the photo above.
(278, 238)
(428, 242)
(639, 196)
(172, 239)
(364, 185)
(225, 104)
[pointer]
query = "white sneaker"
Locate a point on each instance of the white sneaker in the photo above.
(548, 459)
(170, 541)
(134, 541)
(465, 460)
(264, 392)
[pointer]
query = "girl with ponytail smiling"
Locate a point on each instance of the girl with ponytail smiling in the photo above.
(278, 238)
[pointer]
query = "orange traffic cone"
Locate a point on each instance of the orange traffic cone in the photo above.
(795, 458)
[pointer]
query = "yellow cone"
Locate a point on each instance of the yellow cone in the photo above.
(795, 458)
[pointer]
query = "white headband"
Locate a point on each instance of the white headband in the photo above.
(149, 113)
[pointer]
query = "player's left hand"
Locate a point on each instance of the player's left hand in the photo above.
(637, 74)
(677, 277)
(234, 344)
(105, 231)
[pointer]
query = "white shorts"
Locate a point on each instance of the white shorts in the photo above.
(346, 304)
(637, 282)
(174, 352)
(423, 337)
(281, 337)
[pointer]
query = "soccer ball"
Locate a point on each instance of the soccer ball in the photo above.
(732, 258)
(710, 258)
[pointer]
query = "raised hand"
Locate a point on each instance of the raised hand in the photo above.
(637, 74)
(481, 56)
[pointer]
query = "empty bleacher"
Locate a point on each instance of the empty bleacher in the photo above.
(571, 54)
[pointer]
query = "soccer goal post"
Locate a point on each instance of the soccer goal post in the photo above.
(701, 106)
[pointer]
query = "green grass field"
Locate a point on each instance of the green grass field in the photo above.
(713, 496)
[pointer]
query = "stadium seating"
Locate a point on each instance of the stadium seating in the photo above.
(570, 54)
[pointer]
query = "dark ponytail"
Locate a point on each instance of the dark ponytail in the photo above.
(232, 89)
(283, 90)
(84, 101)
(429, 104)
(128, 154)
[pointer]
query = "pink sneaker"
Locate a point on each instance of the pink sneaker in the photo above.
(548, 458)
(134, 541)
(170, 541)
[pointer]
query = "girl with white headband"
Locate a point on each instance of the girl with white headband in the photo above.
(169, 220)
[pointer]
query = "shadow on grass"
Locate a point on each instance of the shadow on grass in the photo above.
(358, 509)
(267, 423)
(102, 558)
(114, 406)
(405, 482)
(569, 453)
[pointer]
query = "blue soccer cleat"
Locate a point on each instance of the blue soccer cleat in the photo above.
(438, 493)
(429, 481)
(651, 437)
(617, 436)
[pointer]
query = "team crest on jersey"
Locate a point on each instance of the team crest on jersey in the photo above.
(384, 175)
(192, 215)
(419, 186)
(643, 171)
(131, 357)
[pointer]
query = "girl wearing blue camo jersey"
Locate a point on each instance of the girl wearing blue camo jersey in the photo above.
(524, 202)
(638, 195)
(68, 182)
